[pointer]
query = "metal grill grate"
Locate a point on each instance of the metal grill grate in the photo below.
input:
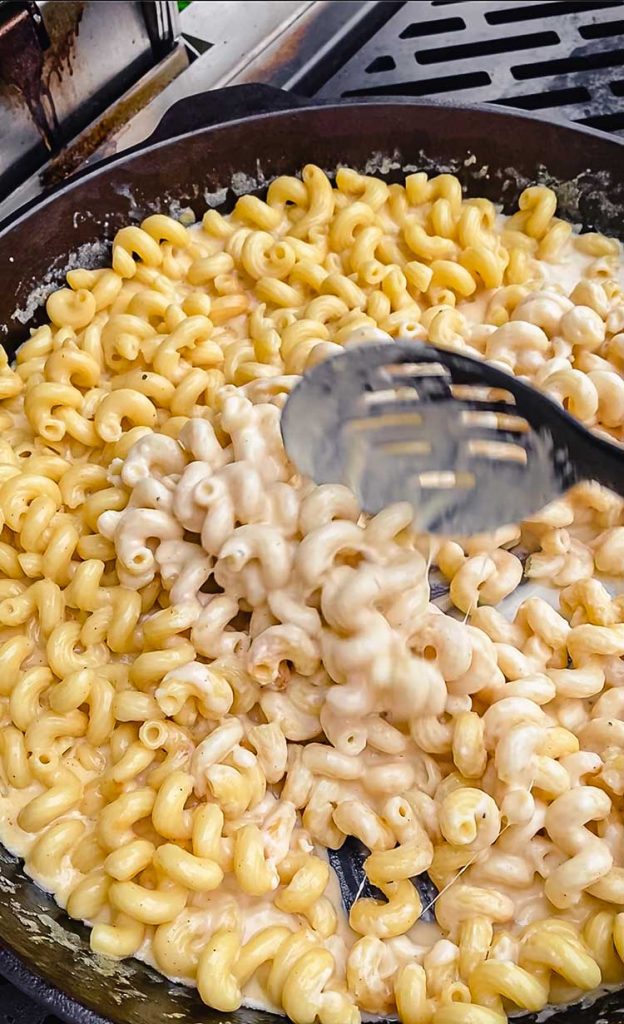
(565, 60)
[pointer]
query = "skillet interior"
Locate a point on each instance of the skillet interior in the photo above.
(495, 154)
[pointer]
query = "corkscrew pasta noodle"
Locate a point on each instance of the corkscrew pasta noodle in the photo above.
(213, 671)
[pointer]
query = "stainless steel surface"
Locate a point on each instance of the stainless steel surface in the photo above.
(25, 129)
(98, 139)
(325, 26)
(234, 33)
(277, 43)
(51, 88)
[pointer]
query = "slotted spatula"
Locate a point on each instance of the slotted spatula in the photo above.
(469, 446)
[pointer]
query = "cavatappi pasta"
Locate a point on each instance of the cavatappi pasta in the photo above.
(212, 670)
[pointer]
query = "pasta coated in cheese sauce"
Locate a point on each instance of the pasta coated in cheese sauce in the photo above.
(212, 670)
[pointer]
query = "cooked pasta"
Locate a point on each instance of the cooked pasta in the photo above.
(213, 671)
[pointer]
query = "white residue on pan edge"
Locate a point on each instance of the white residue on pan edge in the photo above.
(184, 214)
(136, 211)
(381, 163)
(215, 199)
(43, 929)
(242, 183)
(89, 255)
(7, 885)
(139, 207)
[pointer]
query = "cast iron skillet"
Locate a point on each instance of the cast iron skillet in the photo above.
(256, 132)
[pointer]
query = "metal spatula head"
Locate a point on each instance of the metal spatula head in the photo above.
(348, 864)
(469, 446)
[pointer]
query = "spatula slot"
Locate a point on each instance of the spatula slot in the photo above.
(373, 398)
(479, 393)
(499, 451)
(417, 370)
(383, 421)
(444, 480)
(490, 420)
(402, 447)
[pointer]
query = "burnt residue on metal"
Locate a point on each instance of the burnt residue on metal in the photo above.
(63, 25)
(287, 54)
(22, 71)
(32, 55)
(94, 138)
(68, 152)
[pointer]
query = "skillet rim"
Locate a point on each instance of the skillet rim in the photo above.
(148, 145)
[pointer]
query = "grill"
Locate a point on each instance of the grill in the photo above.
(562, 59)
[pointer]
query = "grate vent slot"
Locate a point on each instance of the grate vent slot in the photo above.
(381, 64)
(416, 30)
(606, 122)
(530, 11)
(601, 31)
(427, 87)
(486, 47)
(548, 69)
(543, 100)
